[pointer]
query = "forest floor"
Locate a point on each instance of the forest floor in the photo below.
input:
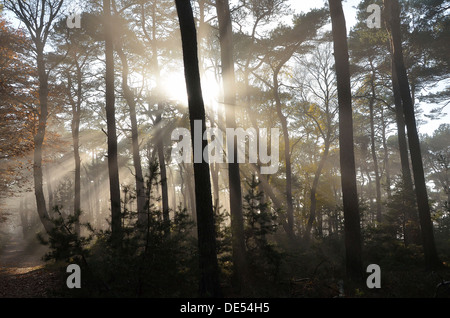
(22, 271)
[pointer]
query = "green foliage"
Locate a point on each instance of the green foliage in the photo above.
(149, 263)
(63, 240)
(155, 259)
(223, 240)
(260, 223)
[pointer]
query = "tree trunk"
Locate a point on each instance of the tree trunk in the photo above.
(209, 271)
(113, 168)
(237, 220)
(393, 22)
(158, 121)
(76, 113)
(387, 168)
(158, 125)
(287, 154)
(139, 176)
(39, 139)
(373, 146)
(411, 214)
(352, 230)
(312, 208)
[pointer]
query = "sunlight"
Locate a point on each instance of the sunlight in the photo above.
(174, 88)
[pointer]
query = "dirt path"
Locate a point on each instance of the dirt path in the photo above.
(22, 273)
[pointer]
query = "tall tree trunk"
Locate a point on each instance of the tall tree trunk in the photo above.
(76, 110)
(162, 167)
(287, 152)
(158, 125)
(39, 139)
(158, 121)
(352, 230)
(113, 167)
(209, 270)
(229, 89)
(139, 176)
(401, 133)
(393, 22)
(39, 24)
(373, 145)
(411, 228)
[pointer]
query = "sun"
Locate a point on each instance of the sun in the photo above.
(174, 88)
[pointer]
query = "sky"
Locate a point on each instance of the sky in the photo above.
(349, 7)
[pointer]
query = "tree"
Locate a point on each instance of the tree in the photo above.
(352, 231)
(75, 45)
(237, 221)
(369, 51)
(320, 83)
(392, 11)
(17, 112)
(113, 167)
(38, 17)
(285, 43)
(437, 159)
(131, 101)
(209, 280)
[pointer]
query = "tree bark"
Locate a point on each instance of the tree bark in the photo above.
(352, 230)
(432, 261)
(158, 121)
(313, 206)
(287, 152)
(139, 176)
(386, 156)
(373, 145)
(209, 271)
(76, 110)
(229, 89)
(113, 168)
(411, 227)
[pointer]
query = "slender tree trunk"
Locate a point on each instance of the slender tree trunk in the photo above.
(162, 167)
(287, 154)
(158, 121)
(237, 220)
(313, 206)
(373, 146)
(393, 22)
(401, 133)
(158, 125)
(139, 176)
(113, 167)
(39, 139)
(215, 183)
(209, 271)
(387, 167)
(411, 227)
(352, 230)
(76, 109)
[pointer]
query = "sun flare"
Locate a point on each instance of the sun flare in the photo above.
(174, 87)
